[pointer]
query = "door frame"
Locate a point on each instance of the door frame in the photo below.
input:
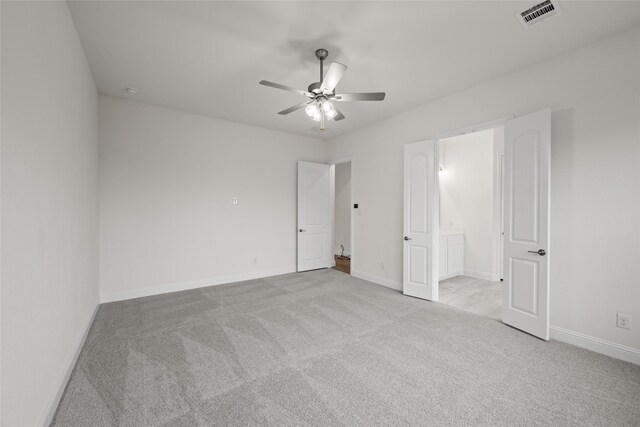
(332, 201)
(500, 229)
(438, 139)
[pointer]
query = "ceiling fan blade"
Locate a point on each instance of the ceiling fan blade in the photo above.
(333, 76)
(295, 107)
(283, 87)
(339, 115)
(371, 96)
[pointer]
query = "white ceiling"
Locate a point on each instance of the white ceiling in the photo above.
(207, 57)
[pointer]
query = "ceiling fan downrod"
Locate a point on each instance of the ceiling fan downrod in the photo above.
(322, 54)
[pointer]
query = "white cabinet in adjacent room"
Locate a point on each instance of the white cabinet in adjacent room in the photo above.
(442, 258)
(451, 255)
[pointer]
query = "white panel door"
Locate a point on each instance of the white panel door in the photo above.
(420, 228)
(526, 223)
(314, 231)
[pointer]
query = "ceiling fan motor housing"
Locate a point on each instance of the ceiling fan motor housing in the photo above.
(314, 88)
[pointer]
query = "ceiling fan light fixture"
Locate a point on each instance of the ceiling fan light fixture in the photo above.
(312, 110)
(328, 110)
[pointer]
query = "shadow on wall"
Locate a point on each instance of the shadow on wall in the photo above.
(562, 153)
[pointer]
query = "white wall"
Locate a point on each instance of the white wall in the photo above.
(594, 94)
(49, 206)
(466, 197)
(167, 179)
(342, 228)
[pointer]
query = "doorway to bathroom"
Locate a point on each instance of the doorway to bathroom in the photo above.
(470, 239)
(525, 211)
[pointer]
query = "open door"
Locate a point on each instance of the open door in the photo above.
(419, 277)
(314, 231)
(526, 223)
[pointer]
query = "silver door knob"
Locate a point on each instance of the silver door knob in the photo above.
(407, 238)
(301, 230)
(540, 252)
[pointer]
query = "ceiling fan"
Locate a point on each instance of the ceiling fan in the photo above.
(322, 96)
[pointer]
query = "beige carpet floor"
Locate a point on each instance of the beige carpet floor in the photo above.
(324, 348)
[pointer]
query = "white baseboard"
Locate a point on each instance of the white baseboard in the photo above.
(62, 383)
(484, 275)
(598, 345)
(377, 280)
(185, 286)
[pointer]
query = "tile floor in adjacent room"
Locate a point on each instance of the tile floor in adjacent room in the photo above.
(478, 296)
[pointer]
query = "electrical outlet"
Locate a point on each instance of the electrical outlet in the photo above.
(623, 321)
(382, 266)
(255, 260)
(234, 200)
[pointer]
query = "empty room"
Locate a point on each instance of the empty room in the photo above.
(319, 213)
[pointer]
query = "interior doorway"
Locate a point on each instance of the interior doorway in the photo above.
(342, 236)
(526, 211)
(470, 234)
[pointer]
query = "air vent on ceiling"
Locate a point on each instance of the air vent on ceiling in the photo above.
(538, 13)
